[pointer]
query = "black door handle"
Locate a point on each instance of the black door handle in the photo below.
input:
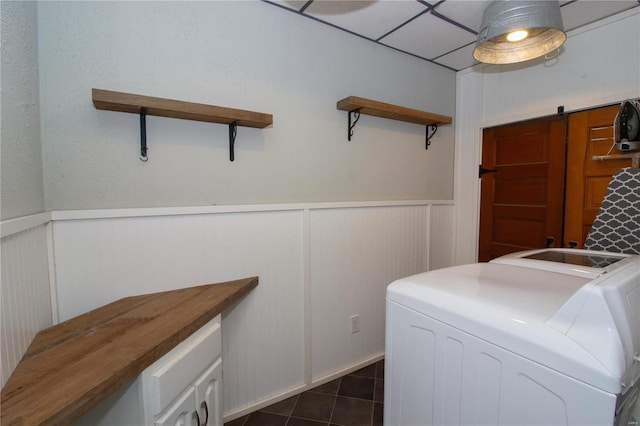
(483, 171)
(550, 242)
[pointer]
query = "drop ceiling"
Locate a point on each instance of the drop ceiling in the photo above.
(443, 32)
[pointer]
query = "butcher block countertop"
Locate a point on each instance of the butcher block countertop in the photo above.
(70, 367)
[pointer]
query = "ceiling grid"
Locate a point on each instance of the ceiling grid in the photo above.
(442, 32)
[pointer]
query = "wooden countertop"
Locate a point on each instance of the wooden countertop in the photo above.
(70, 367)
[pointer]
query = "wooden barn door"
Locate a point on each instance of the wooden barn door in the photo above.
(527, 200)
(590, 133)
(522, 187)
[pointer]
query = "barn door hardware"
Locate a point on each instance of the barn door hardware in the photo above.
(482, 171)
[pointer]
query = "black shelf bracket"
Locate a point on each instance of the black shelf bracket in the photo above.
(356, 116)
(143, 135)
(233, 131)
(434, 129)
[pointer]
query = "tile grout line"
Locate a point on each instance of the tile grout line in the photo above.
(292, 409)
(373, 406)
(335, 399)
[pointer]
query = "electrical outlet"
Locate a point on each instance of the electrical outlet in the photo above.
(355, 323)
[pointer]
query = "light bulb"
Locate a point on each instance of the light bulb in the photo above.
(517, 35)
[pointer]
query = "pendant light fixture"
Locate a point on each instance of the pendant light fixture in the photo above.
(518, 30)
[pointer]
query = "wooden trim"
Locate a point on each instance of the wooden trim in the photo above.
(393, 112)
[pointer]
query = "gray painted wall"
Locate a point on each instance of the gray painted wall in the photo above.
(247, 55)
(21, 168)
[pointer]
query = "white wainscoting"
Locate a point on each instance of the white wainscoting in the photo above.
(101, 260)
(441, 236)
(318, 264)
(24, 289)
(355, 254)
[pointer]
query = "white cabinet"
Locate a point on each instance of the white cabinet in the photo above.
(181, 412)
(209, 395)
(186, 378)
(183, 387)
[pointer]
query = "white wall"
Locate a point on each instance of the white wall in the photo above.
(599, 64)
(21, 168)
(25, 306)
(247, 55)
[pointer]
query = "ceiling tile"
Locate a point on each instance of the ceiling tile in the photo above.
(428, 36)
(584, 12)
(459, 59)
(372, 21)
(466, 12)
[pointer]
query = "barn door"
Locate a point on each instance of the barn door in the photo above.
(590, 133)
(522, 187)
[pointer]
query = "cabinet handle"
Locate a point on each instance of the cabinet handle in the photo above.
(197, 417)
(206, 413)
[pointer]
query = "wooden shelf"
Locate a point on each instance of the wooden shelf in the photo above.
(127, 102)
(70, 367)
(148, 105)
(393, 112)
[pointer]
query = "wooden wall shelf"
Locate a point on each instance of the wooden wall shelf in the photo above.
(148, 105)
(355, 105)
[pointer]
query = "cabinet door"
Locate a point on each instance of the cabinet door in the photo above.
(176, 371)
(208, 389)
(181, 412)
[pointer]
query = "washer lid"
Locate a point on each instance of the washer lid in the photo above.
(559, 320)
(583, 263)
(525, 294)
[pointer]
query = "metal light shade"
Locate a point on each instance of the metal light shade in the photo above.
(541, 20)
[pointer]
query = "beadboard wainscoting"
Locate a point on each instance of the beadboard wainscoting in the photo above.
(104, 259)
(355, 254)
(318, 265)
(25, 300)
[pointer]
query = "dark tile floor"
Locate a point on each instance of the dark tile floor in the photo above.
(352, 400)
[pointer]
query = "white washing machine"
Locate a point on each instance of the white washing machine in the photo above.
(544, 337)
